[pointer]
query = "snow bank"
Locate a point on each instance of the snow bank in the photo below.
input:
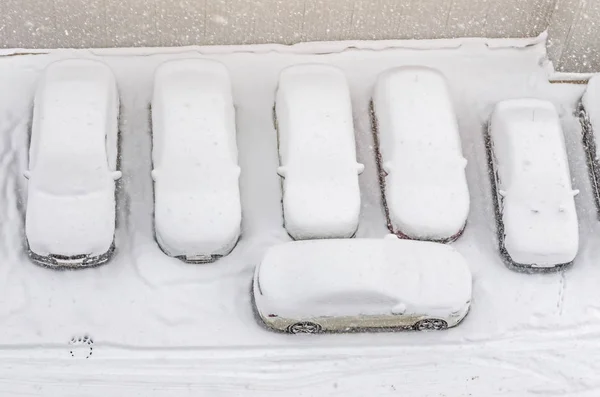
(534, 183)
(425, 185)
(71, 195)
(347, 277)
(197, 198)
(591, 104)
(321, 196)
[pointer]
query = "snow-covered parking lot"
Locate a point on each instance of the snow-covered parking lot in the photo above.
(146, 324)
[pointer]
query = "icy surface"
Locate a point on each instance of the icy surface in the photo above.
(196, 174)
(426, 186)
(321, 196)
(74, 125)
(352, 277)
(538, 210)
(179, 330)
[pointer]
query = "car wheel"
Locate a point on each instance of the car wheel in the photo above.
(304, 328)
(431, 324)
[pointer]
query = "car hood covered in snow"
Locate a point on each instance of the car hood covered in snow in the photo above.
(76, 225)
(321, 207)
(431, 198)
(198, 221)
(362, 276)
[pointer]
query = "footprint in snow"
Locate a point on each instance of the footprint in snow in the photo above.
(81, 347)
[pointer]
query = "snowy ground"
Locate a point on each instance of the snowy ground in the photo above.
(163, 328)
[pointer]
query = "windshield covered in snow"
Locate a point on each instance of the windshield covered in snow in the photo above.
(441, 169)
(72, 174)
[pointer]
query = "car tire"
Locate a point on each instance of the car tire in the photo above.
(430, 324)
(305, 328)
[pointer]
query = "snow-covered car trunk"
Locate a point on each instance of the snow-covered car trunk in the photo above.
(537, 220)
(317, 153)
(70, 215)
(421, 165)
(349, 284)
(197, 209)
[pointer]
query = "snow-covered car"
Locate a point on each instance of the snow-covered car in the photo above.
(317, 153)
(197, 206)
(589, 115)
(419, 155)
(531, 181)
(344, 285)
(71, 211)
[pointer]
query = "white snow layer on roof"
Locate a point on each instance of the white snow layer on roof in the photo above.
(540, 221)
(197, 197)
(72, 105)
(591, 103)
(76, 106)
(321, 196)
(426, 188)
(326, 277)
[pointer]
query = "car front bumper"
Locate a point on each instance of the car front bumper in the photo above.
(71, 262)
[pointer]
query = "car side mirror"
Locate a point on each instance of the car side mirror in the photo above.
(281, 171)
(399, 309)
(27, 174)
(360, 168)
(116, 175)
(575, 192)
(387, 167)
(502, 192)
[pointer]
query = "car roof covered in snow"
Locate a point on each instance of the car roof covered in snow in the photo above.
(314, 117)
(193, 115)
(540, 221)
(197, 198)
(318, 151)
(73, 106)
(320, 277)
(426, 190)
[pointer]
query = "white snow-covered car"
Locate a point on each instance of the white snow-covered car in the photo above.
(71, 211)
(343, 285)
(317, 153)
(197, 208)
(590, 122)
(419, 155)
(535, 206)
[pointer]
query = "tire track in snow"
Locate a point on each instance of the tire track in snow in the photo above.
(11, 221)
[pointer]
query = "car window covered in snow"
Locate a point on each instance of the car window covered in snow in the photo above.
(72, 174)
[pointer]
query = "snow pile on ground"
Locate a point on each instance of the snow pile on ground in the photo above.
(321, 196)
